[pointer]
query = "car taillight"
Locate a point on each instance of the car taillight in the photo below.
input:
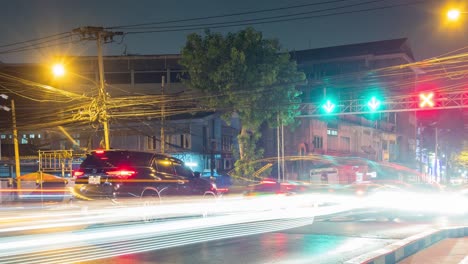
(121, 173)
(213, 186)
(78, 173)
(268, 182)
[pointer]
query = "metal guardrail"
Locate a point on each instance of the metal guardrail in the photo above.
(56, 161)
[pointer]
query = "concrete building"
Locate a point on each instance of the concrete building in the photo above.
(346, 73)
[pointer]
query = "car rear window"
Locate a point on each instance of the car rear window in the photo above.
(117, 159)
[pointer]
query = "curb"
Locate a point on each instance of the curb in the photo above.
(406, 247)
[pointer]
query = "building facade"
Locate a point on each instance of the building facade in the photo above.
(347, 73)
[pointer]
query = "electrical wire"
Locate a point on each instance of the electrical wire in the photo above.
(35, 40)
(225, 15)
(236, 24)
(265, 18)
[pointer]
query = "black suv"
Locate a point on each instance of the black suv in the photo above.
(126, 173)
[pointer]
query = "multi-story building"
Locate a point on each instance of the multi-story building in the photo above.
(347, 73)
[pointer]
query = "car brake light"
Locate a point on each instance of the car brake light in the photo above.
(268, 181)
(100, 151)
(121, 173)
(78, 173)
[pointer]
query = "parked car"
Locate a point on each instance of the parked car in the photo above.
(127, 173)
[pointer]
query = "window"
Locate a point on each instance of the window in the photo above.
(183, 171)
(185, 141)
(181, 140)
(318, 142)
(150, 142)
(384, 144)
(205, 137)
(227, 164)
(3, 136)
(332, 132)
(149, 77)
(118, 78)
(345, 144)
(226, 142)
(32, 136)
(165, 166)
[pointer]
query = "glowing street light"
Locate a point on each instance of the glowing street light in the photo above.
(453, 14)
(58, 70)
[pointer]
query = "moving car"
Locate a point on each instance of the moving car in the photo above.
(128, 173)
(273, 186)
(223, 181)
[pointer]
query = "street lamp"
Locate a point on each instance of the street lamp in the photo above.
(58, 70)
(453, 14)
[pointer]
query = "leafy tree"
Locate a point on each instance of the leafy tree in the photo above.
(462, 159)
(244, 73)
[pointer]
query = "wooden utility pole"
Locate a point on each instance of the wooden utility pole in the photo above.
(101, 36)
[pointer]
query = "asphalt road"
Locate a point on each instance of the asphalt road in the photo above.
(327, 240)
(244, 237)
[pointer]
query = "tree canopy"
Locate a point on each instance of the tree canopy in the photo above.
(246, 74)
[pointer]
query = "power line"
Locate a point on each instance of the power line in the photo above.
(235, 24)
(34, 47)
(34, 40)
(267, 18)
(226, 15)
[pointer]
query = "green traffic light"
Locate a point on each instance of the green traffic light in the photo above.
(328, 106)
(373, 104)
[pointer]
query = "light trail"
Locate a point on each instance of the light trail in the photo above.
(117, 229)
(227, 218)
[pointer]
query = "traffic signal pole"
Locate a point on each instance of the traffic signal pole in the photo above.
(452, 100)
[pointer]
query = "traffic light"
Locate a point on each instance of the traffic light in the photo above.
(373, 104)
(426, 99)
(328, 107)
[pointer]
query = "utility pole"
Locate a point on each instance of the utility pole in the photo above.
(163, 106)
(101, 36)
(15, 143)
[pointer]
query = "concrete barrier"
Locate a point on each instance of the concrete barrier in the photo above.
(404, 248)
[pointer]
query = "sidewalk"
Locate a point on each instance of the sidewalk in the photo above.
(447, 251)
(441, 246)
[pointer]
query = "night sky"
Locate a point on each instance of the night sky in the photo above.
(423, 24)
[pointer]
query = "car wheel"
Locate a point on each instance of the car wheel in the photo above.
(150, 198)
(212, 199)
